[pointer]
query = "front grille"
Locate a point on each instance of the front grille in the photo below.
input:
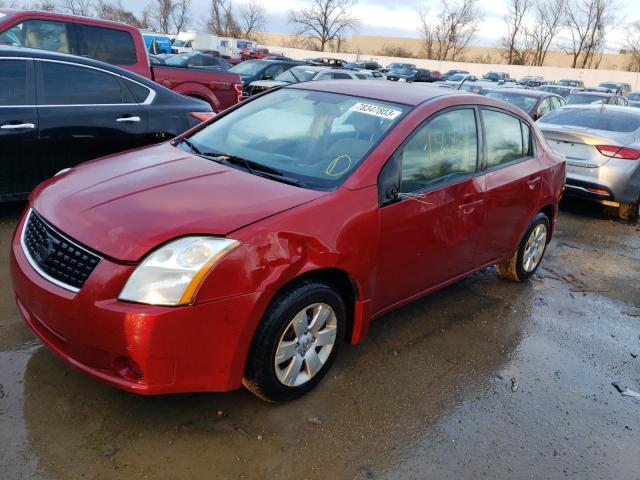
(54, 255)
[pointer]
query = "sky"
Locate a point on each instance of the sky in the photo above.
(398, 17)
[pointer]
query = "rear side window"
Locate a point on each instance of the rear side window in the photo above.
(140, 93)
(39, 34)
(64, 84)
(444, 148)
(13, 79)
(109, 45)
(598, 119)
(341, 76)
(504, 138)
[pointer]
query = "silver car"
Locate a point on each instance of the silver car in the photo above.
(602, 146)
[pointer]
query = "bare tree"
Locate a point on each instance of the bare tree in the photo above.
(587, 22)
(253, 18)
(114, 10)
(513, 39)
(455, 26)
(548, 16)
(222, 20)
(324, 21)
(632, 46)
(427, 29)
(159, 13)
(77, 7)
(180, 17)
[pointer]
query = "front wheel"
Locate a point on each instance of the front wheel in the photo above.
(296, 342)
(526, 260)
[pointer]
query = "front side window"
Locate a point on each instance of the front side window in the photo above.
(317, 138)
(443, 149)
(64, 84)
(343, 76)
(40, 34)
(109, 45)
(545, 107)
(503, 138)
(13, 78)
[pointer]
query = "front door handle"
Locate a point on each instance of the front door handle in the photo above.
(128, 119)
(18, 126)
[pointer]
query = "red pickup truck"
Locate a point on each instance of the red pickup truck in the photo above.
(114, 43)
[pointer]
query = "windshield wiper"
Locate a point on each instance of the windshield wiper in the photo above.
(252, 167)
(190, 144)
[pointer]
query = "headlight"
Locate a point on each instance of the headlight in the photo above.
(171, 274)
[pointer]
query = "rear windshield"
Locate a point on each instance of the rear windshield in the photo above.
(577, 99)
(248, 68)
(521, 101)
(598, 119)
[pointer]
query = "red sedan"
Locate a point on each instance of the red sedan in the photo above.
(245, 251)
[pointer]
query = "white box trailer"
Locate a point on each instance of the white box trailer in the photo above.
(227, 46)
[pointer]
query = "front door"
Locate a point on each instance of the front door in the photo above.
(85, 113)
(18, 129)
(429, 232)
(514, 180)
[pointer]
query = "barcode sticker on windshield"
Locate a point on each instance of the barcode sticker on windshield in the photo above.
(377, 110)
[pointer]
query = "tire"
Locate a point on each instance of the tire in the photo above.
(525, 261)
(629, 211)
(305, 352)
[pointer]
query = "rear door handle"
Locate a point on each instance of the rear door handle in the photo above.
(533, 182)
(469, 206)
(128, 119)
(18, 126)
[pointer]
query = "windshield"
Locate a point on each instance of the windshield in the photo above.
(296, 75)
(178, 60)
(568, 83)
(178, 43)
(457, 77)
(248, 68)
(521, 101)
(491, 75)
(598, 119)
(562, 91)
(612, 86)
(316, 138)
(577, 99)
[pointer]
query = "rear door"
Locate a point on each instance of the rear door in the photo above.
(513, 183)
(18, 128)
(84, 113)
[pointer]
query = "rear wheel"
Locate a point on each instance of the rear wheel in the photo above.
(296, 342)
(629, 211)
(526, 260)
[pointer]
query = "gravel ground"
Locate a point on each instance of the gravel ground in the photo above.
(483, 379)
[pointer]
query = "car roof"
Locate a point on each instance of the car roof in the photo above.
(408, 94)
(593, 94)
(62, 16)
(524, 92)
(602, 107)
(9, 51)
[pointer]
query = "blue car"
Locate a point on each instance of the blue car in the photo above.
(157, 44)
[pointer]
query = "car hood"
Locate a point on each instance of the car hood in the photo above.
(127, 204)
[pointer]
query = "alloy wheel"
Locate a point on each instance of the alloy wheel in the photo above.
(306, 344)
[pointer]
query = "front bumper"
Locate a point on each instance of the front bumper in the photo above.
(139, 348)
